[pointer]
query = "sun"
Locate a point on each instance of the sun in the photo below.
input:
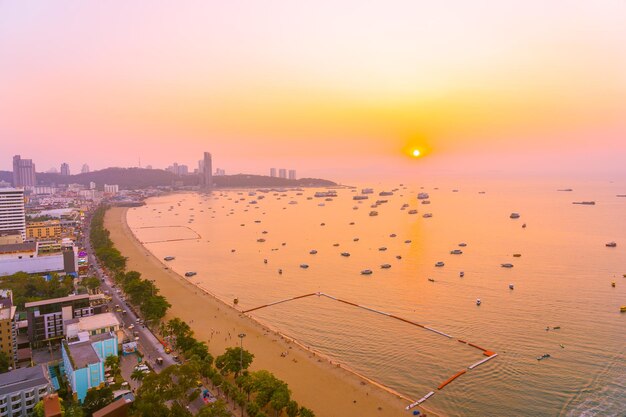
(416, 153)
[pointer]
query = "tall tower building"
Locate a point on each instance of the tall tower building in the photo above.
(23, 172)
(65, 169)
(84, 169)
(282, 173)
(272, 172)
(12, 216)
(292, 174)
(207, 173)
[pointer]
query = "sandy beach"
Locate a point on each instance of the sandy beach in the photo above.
(326, 388)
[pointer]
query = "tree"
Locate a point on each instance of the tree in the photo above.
(154, 307)
(253, 409)
(280, 398)
(97, 399)
(5, 362)
(137, 375)
(175, 385)
(92, 283)
(234, 360)
(293, 409)
(216, 409)
(113, 363)
(305, 412)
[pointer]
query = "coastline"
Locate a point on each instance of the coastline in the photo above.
(310, 376)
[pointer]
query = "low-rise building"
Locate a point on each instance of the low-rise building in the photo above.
(46, 318)
(32, 258)
(83, 361)
(21, 389)
(50, 229)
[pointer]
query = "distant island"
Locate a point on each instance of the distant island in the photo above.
(137, 178)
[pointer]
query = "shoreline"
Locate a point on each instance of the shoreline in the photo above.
(344, 391)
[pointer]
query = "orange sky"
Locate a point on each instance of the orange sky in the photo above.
(332, 89)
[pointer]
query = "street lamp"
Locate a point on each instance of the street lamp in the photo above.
(241, 336)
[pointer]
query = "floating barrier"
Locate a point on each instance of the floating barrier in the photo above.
(452, 378)
(490, 354)
(482, 361)
(421, 400)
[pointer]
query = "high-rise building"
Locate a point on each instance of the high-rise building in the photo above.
(65, 169)
(8, 326)
(12, 215)
(111, 188)
(206, 180)
(272, 172)
(23, 172)
(282, 173)
(292, 174)
(92, 185)
(84, 169)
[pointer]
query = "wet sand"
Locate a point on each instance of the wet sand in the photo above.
(326, 388)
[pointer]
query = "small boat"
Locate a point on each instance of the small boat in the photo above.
(506, 265)
(422, 196)
(613, 284)
(622, 309)
(456, 252)
(585, 203)
(373, 213)
(478, 302)
(335, 244)
(425, 201)
(392, 235)
(304, 266)
(461, 274)
(412, 211)
(544, 356)
(356, 239)
(511, 286)
(517, 255)
(407, 241)
(382, 249)
(264, 261)
(398, 257)
(439, 264)
(313, 252)
(427, 215)
(366, 272)
(385, 266)
(169, 258)
(524, 226)
(260, 240)
(611, 245)
(514, 216)
(431, 280)
(346, 254)
(190, 274)
(462, 244)
(280, 271)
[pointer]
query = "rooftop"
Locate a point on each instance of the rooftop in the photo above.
(115, 406)
(22, 378)
(95, 322)
(18, 247)
(56, 300)
(83, 353)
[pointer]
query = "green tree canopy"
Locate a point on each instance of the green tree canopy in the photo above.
(234, 360)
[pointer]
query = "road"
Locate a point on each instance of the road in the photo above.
(148, 343)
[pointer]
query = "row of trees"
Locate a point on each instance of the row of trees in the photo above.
(142, 292)
(257, 392)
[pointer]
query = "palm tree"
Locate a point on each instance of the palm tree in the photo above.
(113, 363)
(137, 375)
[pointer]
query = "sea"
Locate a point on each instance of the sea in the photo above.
(559, 335)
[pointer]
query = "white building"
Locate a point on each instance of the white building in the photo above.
(92, 185)
(292, 174)
(22, 389)
(272, 172)
(12, 210)
(111, 189)
(282, 173)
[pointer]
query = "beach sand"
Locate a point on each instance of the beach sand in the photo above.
(326, 388)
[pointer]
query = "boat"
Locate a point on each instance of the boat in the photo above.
(422, 196)
(335, 244)
(407, 241)
(169, 258)
(373, 213)
(360, 197)
(439, 264)
(431, 280)
(190, 274)
(478, 302)
(304, 266)
(506, 265)
(511, 286)
(517, 255)
(313, 252)
(385, 266)
(381, 202)
(565, 189)
(398, 257)
(385, 193)
(613, 284)
(611, 245)
(514, 216)
(427, 215)
(622, 309)
(456, 252)
(544, 356)
(346, 254)
(392, 235)
(382, 248)
(356, 239)
(585, 203)
(462, 244)
(260, 240)
(366, 272)
(425, 201)
(412, 211)
(461, 274)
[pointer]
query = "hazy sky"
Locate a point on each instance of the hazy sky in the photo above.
(330, 88)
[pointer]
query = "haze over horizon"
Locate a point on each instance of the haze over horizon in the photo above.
(341, 91)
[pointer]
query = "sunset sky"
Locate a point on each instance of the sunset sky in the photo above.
(337, 89)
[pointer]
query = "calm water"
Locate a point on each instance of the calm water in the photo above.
(563, 278)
